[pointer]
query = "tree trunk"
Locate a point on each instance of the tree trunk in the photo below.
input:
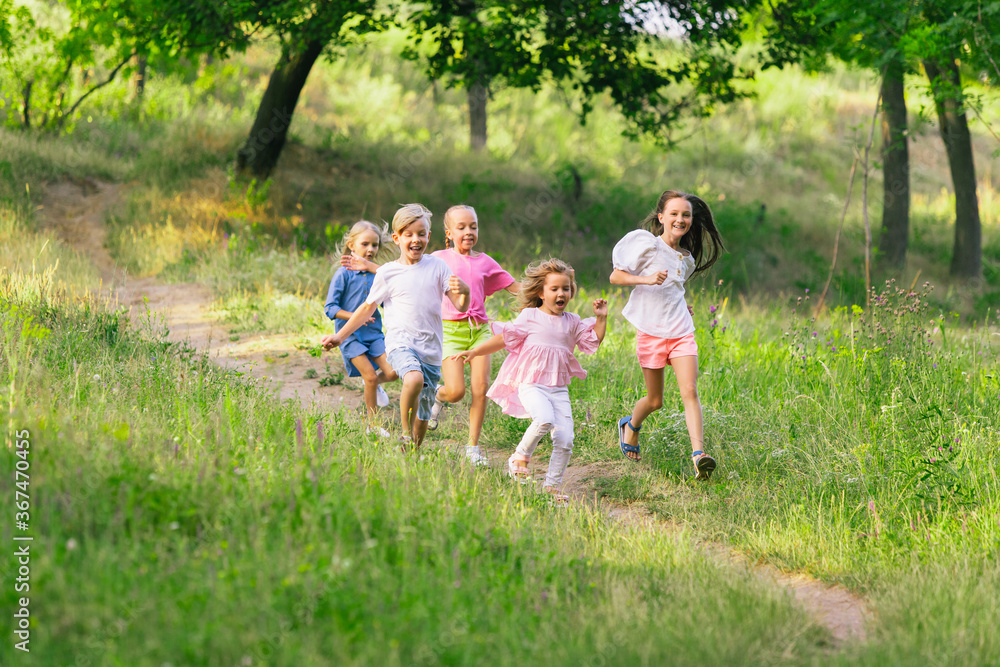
(477, 115)
(260, 153)
(895, 170)
(26, 104)
(946, 85)
(140, 77)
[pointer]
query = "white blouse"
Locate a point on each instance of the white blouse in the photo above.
(656, 310)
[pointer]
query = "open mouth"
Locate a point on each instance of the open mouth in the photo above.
(415, 247)
(560, 303)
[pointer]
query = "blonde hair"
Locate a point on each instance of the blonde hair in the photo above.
(409, 214)
(450, 214)
(386, 249)
(530, 295)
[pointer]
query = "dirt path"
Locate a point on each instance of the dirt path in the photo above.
(76, 211)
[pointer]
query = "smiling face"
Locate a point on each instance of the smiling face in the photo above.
(365, 245)
(556, 293)
(412, 240)
(462, 229)
(676, 220)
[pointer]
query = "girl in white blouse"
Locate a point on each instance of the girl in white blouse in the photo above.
(682, 240)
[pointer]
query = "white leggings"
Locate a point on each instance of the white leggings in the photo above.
(550, 413)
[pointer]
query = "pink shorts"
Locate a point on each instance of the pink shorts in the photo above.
(656, 352)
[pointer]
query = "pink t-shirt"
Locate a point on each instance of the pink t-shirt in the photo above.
(484, 277)
(541, 352)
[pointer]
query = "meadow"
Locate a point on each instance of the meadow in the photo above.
(184, 516)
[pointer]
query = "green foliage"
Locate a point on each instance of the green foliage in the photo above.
(58, 55)
(590, 49)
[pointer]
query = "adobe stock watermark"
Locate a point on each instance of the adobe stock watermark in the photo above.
(21, 538)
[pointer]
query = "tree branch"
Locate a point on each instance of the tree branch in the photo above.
(61, 119)
(836, 240)
(864, 198)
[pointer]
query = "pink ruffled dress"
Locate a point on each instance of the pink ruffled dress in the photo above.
(541, 352)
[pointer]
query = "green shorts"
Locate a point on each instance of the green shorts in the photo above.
(462, 335)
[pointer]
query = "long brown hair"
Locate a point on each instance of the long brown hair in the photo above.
(530, 295)
(703, 240)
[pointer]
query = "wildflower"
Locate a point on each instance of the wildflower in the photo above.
(714, 322)
(711, 309)
(807, 290)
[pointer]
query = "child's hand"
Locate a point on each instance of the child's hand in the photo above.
(330, 341)
(690, 309)
(464, 357)
(457, 285)
(352, 262)
(657, 278)
(601, 307)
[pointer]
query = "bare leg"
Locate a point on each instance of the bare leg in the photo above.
(453, 374)
(386, 374)
(419, 431)
(645, 406)
(480, 384)
(413, 382)
(371, 382)
(686, 370)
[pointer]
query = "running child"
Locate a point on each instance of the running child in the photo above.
(410, 291)
(364, 350)
(533, 380)
(463, 331)
(681, 240)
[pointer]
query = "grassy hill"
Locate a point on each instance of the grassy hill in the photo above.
(371, 132)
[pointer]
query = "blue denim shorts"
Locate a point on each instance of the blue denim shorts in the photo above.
(355, 348)
(403, 360)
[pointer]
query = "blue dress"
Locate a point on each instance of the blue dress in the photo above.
(348, 291)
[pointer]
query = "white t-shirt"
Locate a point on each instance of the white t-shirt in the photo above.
(656, 310)
(411, 297)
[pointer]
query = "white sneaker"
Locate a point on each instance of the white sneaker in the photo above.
(379, 431)
(432, 423)
(475, 455)
(381, 398)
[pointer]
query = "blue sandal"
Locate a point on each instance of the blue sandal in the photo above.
(704, 465)
(626, 448)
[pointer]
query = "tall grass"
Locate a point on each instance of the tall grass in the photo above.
(183, 516)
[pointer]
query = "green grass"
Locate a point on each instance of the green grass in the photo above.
(169, 494)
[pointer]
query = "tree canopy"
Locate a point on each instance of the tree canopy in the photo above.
(590, 48)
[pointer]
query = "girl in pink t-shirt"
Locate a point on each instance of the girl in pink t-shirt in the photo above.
(463, 331)
(533, 381)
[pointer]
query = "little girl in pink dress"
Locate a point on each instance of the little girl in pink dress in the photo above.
(533, 380)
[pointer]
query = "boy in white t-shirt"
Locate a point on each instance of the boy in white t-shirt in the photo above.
(410, 290)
